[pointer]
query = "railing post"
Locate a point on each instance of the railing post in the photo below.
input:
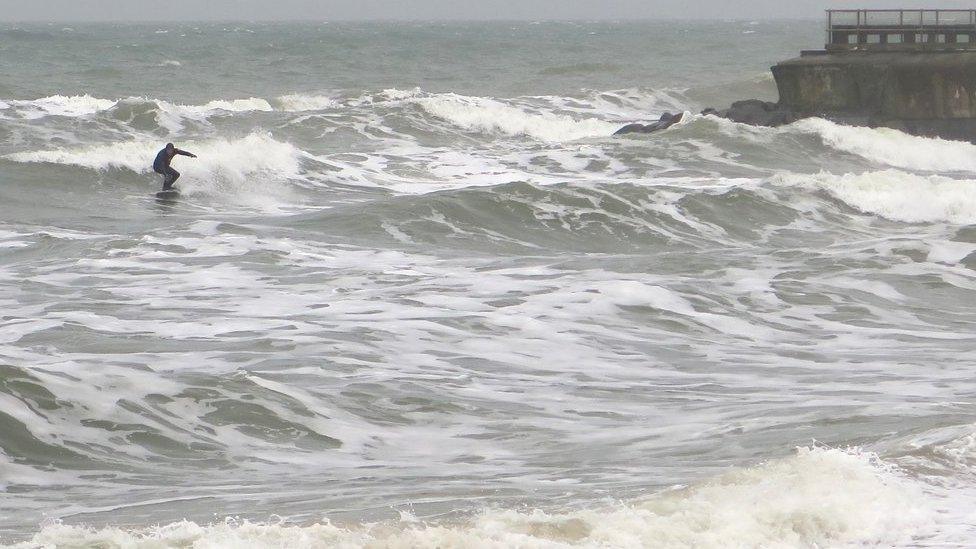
(901, 26)
(873, 29)
(830, 34)
(921, 25)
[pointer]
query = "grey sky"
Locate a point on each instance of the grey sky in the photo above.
(335, 10)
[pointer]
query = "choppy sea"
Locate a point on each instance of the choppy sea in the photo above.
(414, 294)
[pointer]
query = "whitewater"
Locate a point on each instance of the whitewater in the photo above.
(416, 294)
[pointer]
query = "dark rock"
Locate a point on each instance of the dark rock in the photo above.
(756, 113)
(666, 121)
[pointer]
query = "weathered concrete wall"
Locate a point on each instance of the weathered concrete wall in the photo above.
(922, 93)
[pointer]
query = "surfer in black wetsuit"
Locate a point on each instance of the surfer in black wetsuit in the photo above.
(161, 164)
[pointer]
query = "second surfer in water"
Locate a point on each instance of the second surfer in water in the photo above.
(161, 164)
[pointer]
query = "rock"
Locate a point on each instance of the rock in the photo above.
(749, 111)
(756, 113)
(666, 121)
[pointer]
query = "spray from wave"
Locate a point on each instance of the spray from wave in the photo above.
(897, 195)
(303, 103)
(59, 105)
(817, 498)
(491, 116)
(479, 114)
(167, 115)
(223, 166)
(892, 147)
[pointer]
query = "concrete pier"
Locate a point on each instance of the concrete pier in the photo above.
(923, 93)
(913, 70)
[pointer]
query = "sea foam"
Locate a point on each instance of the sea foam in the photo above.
(61, 105)
(816, 498)
(301, 103)
(250, 104)
(169, 115)
(492, 116)
(898, 195)
(219, 162)
(892, 147)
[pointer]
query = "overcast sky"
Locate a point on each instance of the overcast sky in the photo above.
(336, 10)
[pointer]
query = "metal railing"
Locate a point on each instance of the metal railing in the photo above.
(901, 30)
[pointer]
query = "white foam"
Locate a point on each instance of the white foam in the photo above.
(301, 103)
(250, 104)
(133, 155)
(892, 147)
(220, 163)
(169, 115)
(899, 196)
(172, 116)
(636, 104)
(961, 450)
(491, 116)
(633, 293)
(61, 105)
(393, 94)
(817, 498)
(171, 63)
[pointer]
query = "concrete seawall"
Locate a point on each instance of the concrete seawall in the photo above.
(909, 69)
(923, 93)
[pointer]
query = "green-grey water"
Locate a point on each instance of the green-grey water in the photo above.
(415, 294)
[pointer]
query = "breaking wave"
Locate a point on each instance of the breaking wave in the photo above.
(574, 323)
(897, 195)
(250, 104)
(301, 103)
(167, 115)
(892, 147)
(556, 119)
(220, 162)
(491, 116)
(59, 105)
(817, 498)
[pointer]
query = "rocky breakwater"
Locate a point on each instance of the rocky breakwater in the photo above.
(929, 93)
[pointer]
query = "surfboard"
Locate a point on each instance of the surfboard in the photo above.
(168, 195)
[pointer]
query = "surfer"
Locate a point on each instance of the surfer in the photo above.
(161, 164)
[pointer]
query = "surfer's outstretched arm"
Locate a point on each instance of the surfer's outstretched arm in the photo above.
(184, 153)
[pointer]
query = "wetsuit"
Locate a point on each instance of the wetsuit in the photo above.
(161, 166)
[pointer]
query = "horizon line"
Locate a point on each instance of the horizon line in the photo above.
(409, 20)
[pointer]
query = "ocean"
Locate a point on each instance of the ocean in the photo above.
(415, 294)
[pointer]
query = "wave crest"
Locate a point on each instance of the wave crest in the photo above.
(897, 195)
(248, 160)
(817, 498)
(302, 103)
(60, 105)
(492, 116)
(892, 147)
(168, 115)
